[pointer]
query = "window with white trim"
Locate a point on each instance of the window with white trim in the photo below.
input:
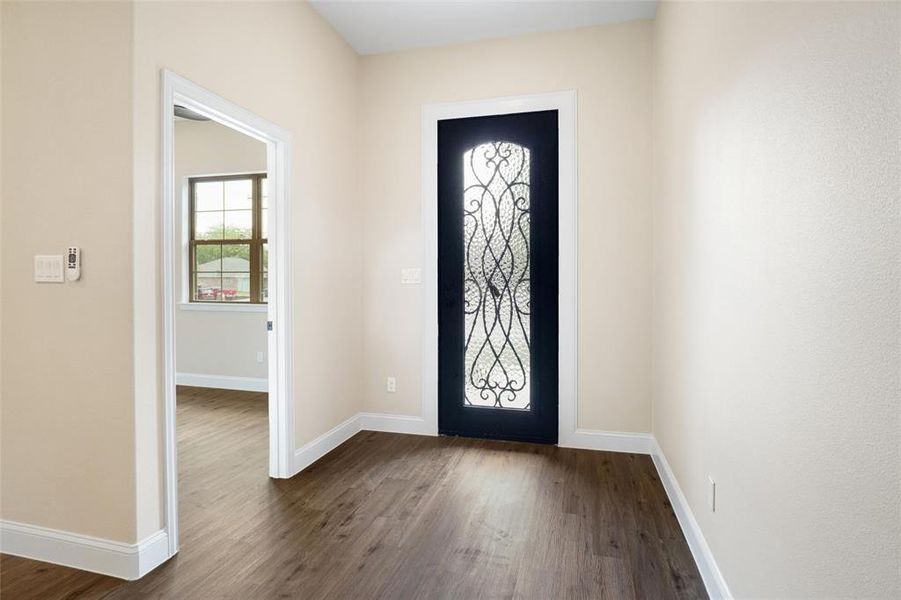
(228, 239)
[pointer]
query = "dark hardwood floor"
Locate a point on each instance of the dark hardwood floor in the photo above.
(396, 516)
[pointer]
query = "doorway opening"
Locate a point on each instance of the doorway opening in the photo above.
(226, 259)
(564, 105)
(497, 272)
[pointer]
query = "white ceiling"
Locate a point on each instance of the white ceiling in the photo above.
(377, 26)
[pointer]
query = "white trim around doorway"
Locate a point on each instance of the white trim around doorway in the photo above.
(178, 90)
(564, 103)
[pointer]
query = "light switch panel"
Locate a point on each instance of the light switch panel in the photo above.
(48, 269)
(410, 276)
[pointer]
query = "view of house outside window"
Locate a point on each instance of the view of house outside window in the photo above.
(228, 243)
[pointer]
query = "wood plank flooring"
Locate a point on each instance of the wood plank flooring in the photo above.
(396, 516)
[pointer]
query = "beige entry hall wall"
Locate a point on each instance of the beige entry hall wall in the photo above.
(777, 297)
(610, 69)
(214, 342)
(68, 415)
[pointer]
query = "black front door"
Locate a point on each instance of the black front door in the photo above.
(497, 277)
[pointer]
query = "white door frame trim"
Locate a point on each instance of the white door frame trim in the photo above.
(178, 90)
(565, 103)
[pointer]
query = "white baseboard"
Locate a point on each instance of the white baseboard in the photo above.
(152, 552)
(710, 572)
(117, 559)
(325, 443)
(393, 423)
(608, 441)
(223, 382)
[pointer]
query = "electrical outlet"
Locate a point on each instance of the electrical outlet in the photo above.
(711, 493)
(391, 385)
(259, 357)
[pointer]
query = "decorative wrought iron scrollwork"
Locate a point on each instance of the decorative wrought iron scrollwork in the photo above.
(496, 223)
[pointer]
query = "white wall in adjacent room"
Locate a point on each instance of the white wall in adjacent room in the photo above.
(215, 342)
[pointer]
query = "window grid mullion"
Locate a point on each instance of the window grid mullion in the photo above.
(254, 245)
(255, 242)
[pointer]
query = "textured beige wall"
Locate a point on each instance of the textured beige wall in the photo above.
(776, 298)
(1, 255)
(216, 342)
(281, 61)
(67, 398)
(610, 67)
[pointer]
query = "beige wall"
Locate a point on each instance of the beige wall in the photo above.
(610, 68)
(68, 409)
(776, 298)
(1, 255)
(94, 90)
(775, 252)
(281, 61)
(215, 342)
(81, 437)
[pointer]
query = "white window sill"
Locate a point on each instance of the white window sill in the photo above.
(223, 307)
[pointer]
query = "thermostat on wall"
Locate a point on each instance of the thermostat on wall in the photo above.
(73, 263)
